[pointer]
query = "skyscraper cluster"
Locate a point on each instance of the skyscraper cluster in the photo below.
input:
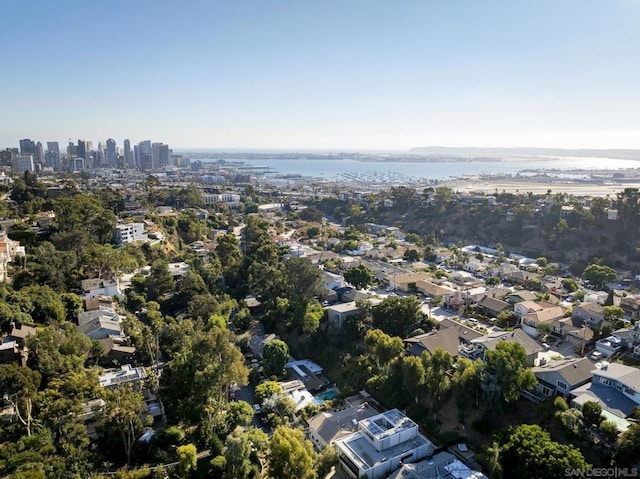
(31, 156)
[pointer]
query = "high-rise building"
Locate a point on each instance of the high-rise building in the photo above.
(82, 149)
(129, 161)
(159, 155)
(72, 150)
(142, 153)
(53, 146)
(76, 164)
(27, 147)
(99, 156)
(111, 155)
(52, 155)
(39, 156)
(6, 157)
(22, 163)
(52, 160)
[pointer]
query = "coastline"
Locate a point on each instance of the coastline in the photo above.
(536, 186)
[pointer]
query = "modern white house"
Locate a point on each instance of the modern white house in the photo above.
(230, 199)
(129, 233)
(94, 287)
(381, 445)
(126, 374)
(178, 269)
(442, 465)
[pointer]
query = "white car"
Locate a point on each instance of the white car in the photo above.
(257, 408)
(596, 355)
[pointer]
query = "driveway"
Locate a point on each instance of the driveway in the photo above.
(566, 349)
(246, 393)
(438, 313)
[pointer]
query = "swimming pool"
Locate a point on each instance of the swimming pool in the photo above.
(326, 395)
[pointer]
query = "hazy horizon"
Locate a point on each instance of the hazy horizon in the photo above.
(364, 75)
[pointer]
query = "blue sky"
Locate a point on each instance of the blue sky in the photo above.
(348, 74)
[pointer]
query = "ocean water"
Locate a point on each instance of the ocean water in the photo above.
(436, 170)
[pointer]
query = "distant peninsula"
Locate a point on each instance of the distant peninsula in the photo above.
(628, 154)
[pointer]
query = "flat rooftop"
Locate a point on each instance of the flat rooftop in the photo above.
(310, 365)
(126, 374)
(387, 423)
(363, 452)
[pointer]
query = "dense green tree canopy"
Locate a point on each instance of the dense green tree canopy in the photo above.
(627, 452)
(383, 348)
(160, 280)
(506, 372)
(528, 451)
(83, 212)
(123, 419)
(58, 350)
(274, 356)
(599, 275)
(292, 455)
(230, 256)
(397, 316)
(47, 304)
(195, 384)
(266, 390)
(304, 278)
(360, 276)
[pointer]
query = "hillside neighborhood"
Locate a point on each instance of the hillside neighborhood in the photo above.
(159, 327)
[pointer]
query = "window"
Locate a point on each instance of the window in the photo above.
(348, 463)
(605, 381)
(629, 391)
(562, 385)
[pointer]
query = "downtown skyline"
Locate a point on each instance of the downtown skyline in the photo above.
(330, 76)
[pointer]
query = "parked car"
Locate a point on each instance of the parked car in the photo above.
(596, 355)
(257, 409)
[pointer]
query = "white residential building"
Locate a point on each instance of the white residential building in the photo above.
(178, 269)
(230, 199)
(126, 374)
(9, 249)
(297, 391)
(443, 465)
(92, 288)
(381, 445)
(129, 233)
